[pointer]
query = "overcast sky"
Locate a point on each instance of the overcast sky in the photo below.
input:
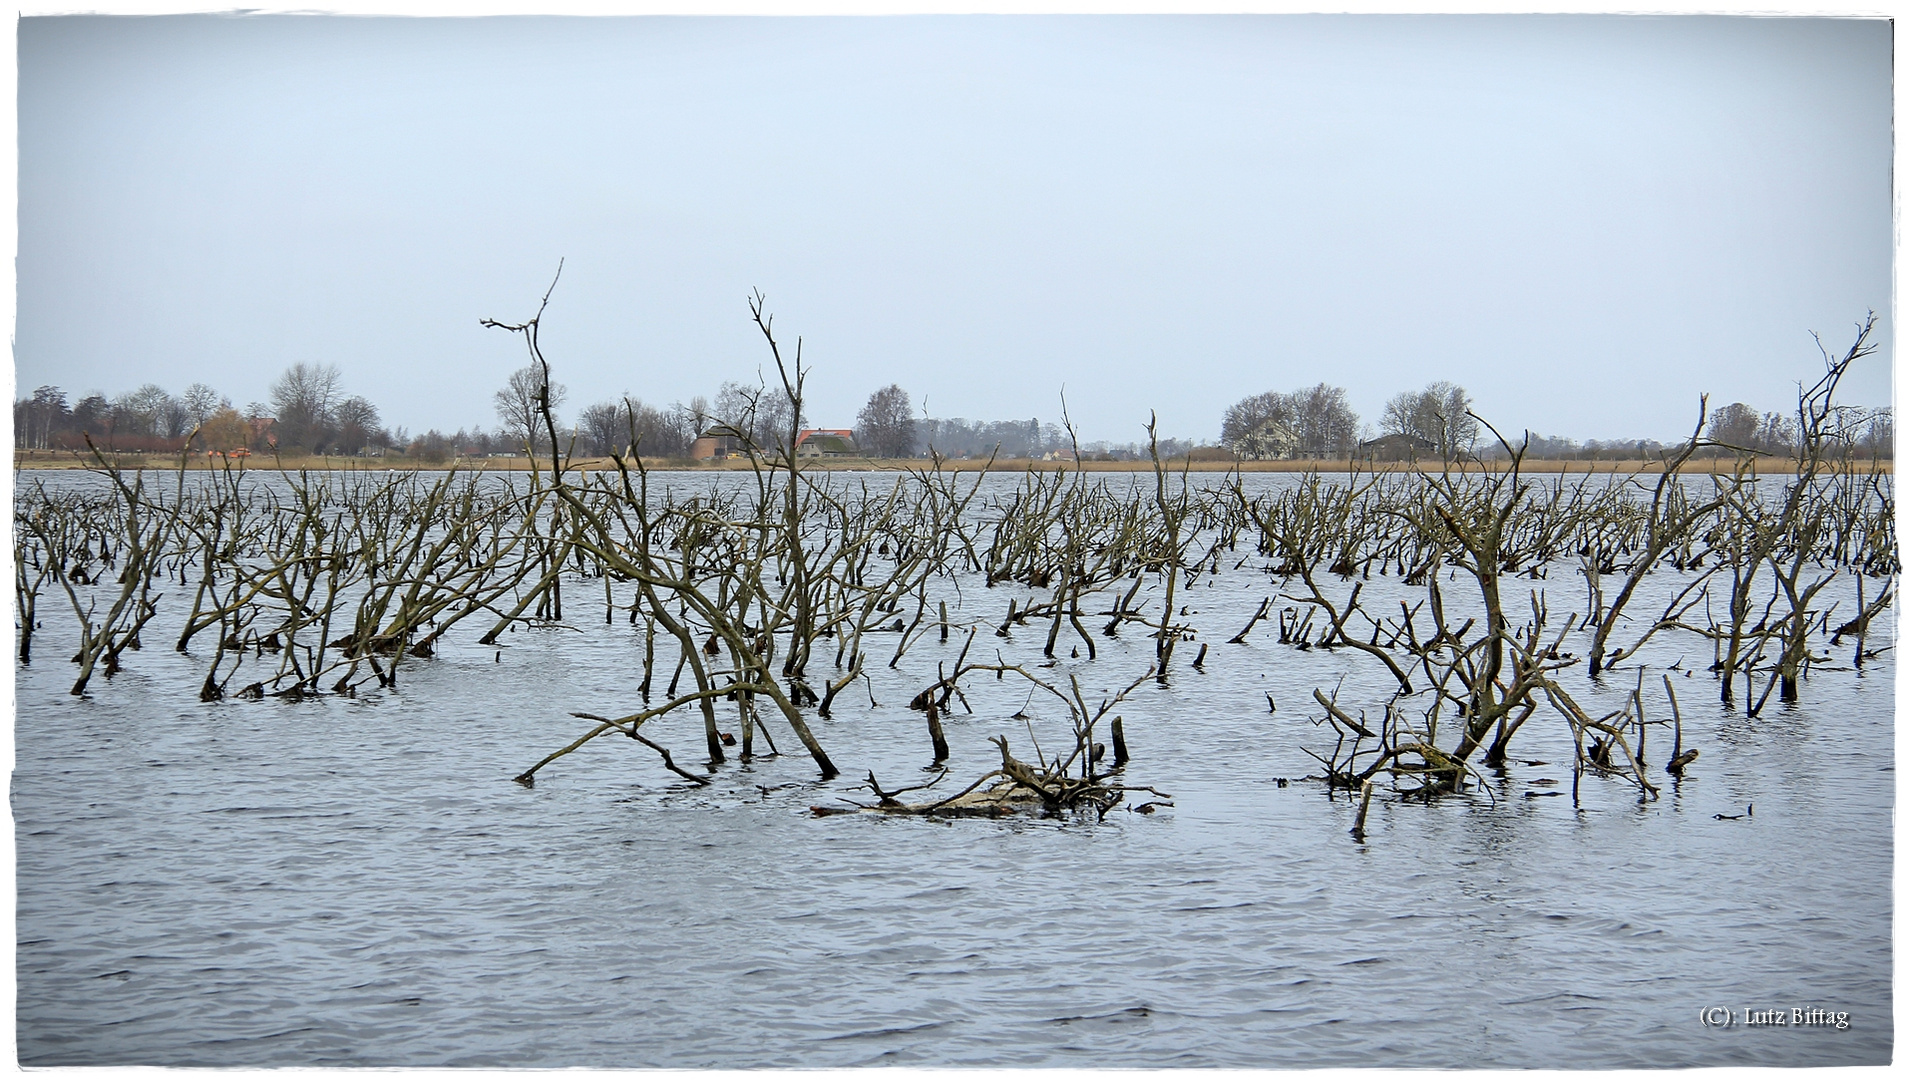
(1586, 221)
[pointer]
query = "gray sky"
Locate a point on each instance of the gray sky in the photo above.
(1586, 221)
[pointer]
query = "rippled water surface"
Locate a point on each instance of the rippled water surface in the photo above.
(358, 882)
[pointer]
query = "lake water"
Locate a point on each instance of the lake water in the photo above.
(358, 882)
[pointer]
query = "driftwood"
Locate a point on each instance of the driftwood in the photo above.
(1015, 787)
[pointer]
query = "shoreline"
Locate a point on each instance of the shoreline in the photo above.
(68, 460)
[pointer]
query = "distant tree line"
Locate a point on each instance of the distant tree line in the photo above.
(309, 412)
(1437, 423)
(1734, 427)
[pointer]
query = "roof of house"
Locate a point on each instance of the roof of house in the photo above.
(827, 442)
(844, 433)
(1400, 438)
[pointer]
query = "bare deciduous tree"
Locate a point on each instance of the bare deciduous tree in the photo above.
(764, 414)
(1879, 434)
(601, 430)
(1777, 434)
(1740, 427)
(148, 411)
(886, 425)
(1327, 426)
(519, 410)
(1440, 414)
(658, 432)
(613, 427)
(305, 398)
(1318, 421)
(357, 424)
(199, 402)
(1260, 426)
(1735, 425)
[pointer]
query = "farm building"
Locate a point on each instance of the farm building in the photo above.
(718, 442)
(1397, 447)
(826, 442)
